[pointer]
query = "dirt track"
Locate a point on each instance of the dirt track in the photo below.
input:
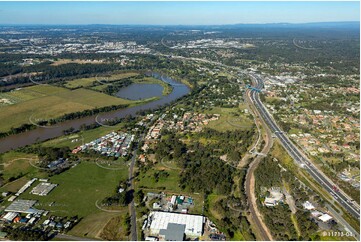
(256, 217)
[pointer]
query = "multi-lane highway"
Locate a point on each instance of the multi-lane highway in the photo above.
(263, 232)
(341, 197)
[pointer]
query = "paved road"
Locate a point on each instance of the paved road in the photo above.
(341, 197)
(340, 219)
(133, 215)
(263, 231)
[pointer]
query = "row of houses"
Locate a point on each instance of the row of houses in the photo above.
(113, 144)
(189, 122)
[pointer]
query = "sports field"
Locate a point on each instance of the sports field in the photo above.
(77, 193)
(87, 82)
(79, 189)
(43, 102)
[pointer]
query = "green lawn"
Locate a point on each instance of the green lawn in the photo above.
(16, 163)
(92, 225)
(171, 183)
(14, 186)
(95, 99)
(79, 188)
(294, 131)
(238, 236)
(229, 120)
(100, 88)
(212, 213)
(29, 93)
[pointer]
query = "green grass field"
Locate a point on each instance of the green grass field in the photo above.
(171, 183)
(238, 236)
(29, 93)
(52, 102)
(116, 228)
(82, 136)
(78, 190)
(86, 82)
(100, 88)
(14, 186)
(93, 225)
(213, 213)
(16, 163)
(229, 120)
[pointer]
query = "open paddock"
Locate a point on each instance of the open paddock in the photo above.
(230, 119)
(57, 102)
(87, 82)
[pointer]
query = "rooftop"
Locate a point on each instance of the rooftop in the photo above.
(174, 232)
(21, 206)
(193, 223)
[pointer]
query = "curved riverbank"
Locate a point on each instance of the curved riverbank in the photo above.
(41, 134)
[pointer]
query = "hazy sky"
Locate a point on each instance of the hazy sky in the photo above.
(176, 12)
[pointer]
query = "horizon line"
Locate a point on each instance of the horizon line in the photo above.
(130, 24)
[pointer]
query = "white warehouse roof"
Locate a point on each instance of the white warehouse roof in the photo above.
(307, 205)
(325, 217)
(193, 223)
(10, 216)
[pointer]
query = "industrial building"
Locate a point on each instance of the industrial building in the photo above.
(10, 216)
(174, 226)
(22, 206)
(174, 232)
(43, 189)
(26, 186)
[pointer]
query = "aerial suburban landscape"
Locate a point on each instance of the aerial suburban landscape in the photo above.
(118, 124)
